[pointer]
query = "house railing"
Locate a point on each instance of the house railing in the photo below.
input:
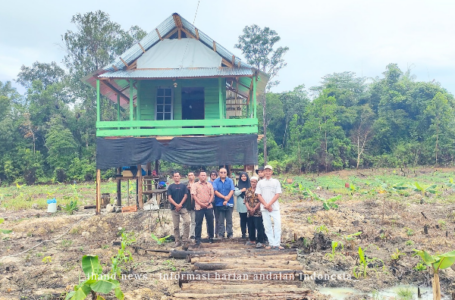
(176, 127)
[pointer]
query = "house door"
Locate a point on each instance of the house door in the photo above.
(193, 103)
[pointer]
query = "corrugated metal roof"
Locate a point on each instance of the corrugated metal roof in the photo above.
(180, 73)
(164, 28)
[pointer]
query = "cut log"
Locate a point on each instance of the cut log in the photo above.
(248, 290)
(243, 287)
(234, 266)
(220, 282)
(241, 259)
(267, 295)
(278, 275)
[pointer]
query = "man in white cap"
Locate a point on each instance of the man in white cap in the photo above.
(268, 191)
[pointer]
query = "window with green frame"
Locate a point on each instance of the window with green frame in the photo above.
(164, 104)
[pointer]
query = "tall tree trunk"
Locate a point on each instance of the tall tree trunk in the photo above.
(264, 122)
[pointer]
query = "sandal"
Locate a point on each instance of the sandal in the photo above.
(269, 247)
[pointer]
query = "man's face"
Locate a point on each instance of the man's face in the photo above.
(202, 176)
(268, 172)
(253, 183)
(261, 173)
(213, 176)
(176, 177)
(223, 173)
(191, 176)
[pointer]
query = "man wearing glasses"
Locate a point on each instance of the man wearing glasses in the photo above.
(224, 202)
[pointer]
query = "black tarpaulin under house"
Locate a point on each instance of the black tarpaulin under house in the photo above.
(190, 102)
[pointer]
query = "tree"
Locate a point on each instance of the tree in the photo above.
(257, 45)
(48, 74)
(362, 131)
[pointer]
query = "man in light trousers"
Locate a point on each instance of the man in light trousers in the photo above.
(268, 191)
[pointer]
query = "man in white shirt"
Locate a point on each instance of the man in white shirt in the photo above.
(268, 191)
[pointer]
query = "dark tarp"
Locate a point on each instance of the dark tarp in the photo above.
(115, 153)
(239, 149)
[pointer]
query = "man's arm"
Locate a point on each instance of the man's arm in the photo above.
(184, 199)
(202, 205)
(272, 201)
(212, 194)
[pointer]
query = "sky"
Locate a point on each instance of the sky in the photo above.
(324, 36)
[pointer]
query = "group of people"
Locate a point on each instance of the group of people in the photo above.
(213, 199)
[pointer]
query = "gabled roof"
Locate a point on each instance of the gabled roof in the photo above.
(117, 73)
(168, 26)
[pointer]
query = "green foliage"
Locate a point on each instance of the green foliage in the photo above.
(95, 282)
(335, 245)
(437, 262)
(159, 241)
(420, 267)
(396, 255)
(123, 255)
(322, 229)
(425, 190)
(71, 207)
(364, 261)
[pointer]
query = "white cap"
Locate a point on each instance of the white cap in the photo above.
(254, 178)
(268, 167)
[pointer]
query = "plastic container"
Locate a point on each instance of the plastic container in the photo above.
(52, 205)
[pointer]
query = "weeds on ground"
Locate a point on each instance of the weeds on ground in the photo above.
(159, 241)
(364, 261)
(322, 229)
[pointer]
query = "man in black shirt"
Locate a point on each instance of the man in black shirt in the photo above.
(177, 195)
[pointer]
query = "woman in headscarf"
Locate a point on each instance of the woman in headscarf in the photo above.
(242, 186)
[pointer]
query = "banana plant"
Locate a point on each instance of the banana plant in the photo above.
(423, 189)
(95, 283)
(437, 262)
(330, 203)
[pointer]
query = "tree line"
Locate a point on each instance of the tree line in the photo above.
(47, 134)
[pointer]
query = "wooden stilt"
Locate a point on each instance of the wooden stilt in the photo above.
(98, 191)
(119, 189)
(157, 166)
(139, 186)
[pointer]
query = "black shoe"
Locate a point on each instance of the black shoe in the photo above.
(243, 236)
(211, 241)
(198, 243)
(192, 237)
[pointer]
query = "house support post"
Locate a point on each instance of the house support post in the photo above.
(119, 188)
(131, 101)
(220, 98)
(139, 186)
(98, 191)
(254, 96)
(98, 103)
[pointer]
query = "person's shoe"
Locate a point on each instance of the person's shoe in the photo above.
(243, 236)
(177, 244)
(211, 241)
(192, 237)
(250, 243)
(221, 236)
(230, 237)
(259, 245)
(198, 243)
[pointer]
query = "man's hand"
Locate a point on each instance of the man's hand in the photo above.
(269, 208)
(178, 207)
(243, 190)
(226, 198)
(225, 202)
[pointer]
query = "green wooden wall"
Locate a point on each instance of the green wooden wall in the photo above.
(147, 95)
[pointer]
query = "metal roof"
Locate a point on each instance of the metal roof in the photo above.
(179, 73)
(164, 28)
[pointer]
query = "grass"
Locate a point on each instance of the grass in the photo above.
(29, 196)
(404, 294)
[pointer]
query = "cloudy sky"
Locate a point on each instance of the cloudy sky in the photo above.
(324, 36)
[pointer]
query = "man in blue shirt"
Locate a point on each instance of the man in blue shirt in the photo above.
(224, 202)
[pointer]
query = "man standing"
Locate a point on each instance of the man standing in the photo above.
(190, 205)
(260, 172)
(177, 195)
(269, 190)
(202, 192)
(213, 176)
(224, 202)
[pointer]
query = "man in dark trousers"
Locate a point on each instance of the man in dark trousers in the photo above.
(202, 192)
(177, 196)
(224, 201)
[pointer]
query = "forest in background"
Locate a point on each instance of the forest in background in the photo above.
(47, 134)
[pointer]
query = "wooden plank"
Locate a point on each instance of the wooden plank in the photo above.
(177, 123)
(142, 48)
(197, 33)
(180, 33)
(124, 62)
(176, 131)
(233, 61)
(188, 33)
(159, 35)
(98, 191)
(250, 89)
(214, 46)
(177, 20)
(170, 33)
(139, 187)
(111, 87)
(115, 68)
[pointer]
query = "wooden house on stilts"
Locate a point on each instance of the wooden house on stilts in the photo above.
(190, 102)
